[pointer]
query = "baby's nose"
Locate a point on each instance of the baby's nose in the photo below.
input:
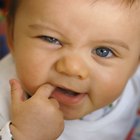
(72, 66)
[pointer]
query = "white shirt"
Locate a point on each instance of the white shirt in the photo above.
(115, 125)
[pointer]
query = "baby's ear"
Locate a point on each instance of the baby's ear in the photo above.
(9, 34)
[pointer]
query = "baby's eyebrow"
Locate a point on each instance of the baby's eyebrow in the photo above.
(37, 26)
(40, 26)
(126, 2)
(44, 27)
(114, 42)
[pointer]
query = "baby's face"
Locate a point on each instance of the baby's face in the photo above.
(86, 50)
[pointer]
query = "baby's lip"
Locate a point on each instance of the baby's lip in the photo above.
(73, 89)
(68, 91)
(67, 96)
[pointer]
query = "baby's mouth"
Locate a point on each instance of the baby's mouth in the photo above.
(67, 96)
(67, 92)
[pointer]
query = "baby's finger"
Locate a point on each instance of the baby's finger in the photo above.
(44, 91)
(54, 102)
(17, 94)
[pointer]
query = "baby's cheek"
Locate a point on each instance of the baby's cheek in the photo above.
(105, 93)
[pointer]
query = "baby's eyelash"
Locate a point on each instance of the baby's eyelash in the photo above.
(50, 39)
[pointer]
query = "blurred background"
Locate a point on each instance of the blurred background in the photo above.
(3, 44)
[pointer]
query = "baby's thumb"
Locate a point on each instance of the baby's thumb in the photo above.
(17, 94)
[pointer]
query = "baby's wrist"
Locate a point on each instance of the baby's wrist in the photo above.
(15, 133)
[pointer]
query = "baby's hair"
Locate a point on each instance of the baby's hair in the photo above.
(11, 10)
(13, 5)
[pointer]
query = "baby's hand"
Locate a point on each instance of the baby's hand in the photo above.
(37, 118)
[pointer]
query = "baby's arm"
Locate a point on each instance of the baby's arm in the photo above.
(37, 118)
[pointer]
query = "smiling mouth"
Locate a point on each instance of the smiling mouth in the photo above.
(67, 96)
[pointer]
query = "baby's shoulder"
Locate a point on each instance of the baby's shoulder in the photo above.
(134, 82)
(7, 72)
(7, 68)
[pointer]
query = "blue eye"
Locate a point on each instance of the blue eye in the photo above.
(103, 52)
(50, 40)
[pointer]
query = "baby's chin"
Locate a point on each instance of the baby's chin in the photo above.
(74, 116)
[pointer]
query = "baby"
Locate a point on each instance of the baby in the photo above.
(72, 60)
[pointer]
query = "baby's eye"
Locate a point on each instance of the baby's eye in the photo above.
(103, 52)
(50, 40)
